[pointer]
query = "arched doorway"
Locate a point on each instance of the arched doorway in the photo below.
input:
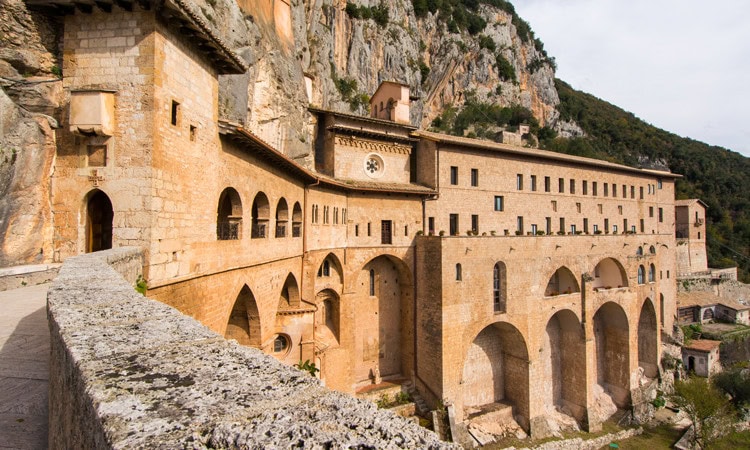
(244, 320)
(99, 217)
(648, 352)
(564, 361)
(496, 370)
(612, 355)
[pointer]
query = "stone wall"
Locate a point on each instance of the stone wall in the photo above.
(127, 371)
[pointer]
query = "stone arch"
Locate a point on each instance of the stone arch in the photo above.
(609, 273)
(229, 215)
(99, 218)
(289, 297)
(708, 314)
(282, 218)
(331, 267)
(564, 363)
(296, 220)
(382, 320)
(648, 352)
(496, 370)
(243, 324)
(499, 287)
(561, 282)
(612, 353)
(328, 317)
(260, 215)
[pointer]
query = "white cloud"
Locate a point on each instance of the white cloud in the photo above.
(678, 64)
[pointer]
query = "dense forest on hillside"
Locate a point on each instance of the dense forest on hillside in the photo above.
(719, 177)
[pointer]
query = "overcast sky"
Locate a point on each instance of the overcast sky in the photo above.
(681, 65)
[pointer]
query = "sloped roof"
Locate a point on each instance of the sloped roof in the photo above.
(532, 153)
(702, 299)
(689, 202)
(703, 345)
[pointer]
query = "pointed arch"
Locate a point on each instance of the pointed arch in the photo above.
(244, 324)
(282, 218)
(611, 337)
(99, 218)
(562, 282)
(608, 274)
(496, 369)
(229, 215)
(260, 216)
(289, 297)
(328, 317)
(331, 267)
(563, 357)
(647, 340)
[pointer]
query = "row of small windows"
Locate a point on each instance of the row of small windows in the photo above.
(562, 281)
(499, 205)
(474, 176)
(337, 213)
(585, 187)
(229, 217)
(455, 230)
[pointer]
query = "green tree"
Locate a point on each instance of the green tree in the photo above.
(706, 406)
(735, 381)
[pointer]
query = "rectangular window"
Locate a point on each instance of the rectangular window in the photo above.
(600, 207)
(624, 224)
(193, 131)
(519, 182)
(643, 226)
(406, 230)
(533, 228)
(533, 183)
(454, 175)
(572, 229)
(614, 190)
(632, 191)
(369, 229)
(606, 190)
(519, 224)
(385, 232)
(554, 205)
(651, 211)
(335, 215)
(548, 225)
(474, 223)
(562, 224)
(641, 189)
(624, 191)
(632, 229)
(572, 186)
(594, 190)
(585, 187)
(175, 112)
(561, 185)
(606, 225)
(97, 155)
(661, 214)
(619, 209)
(356, 230)
(453, 224)
(585, 225)
(658, 183)
(475, 177)
(546, 184)
(596, 228)
(578, 207)
(614, 228)
(431, 225)
(499, 203)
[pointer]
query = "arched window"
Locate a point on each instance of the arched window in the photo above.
(458, 272)
(325, 269)
(561, 282)
(281, 343)
(260, 216)
(652, 250)
(372, 282)
(498, 288)
(641, 275)
(282, 217)
(639, 251)
(229, 215)
(652, 273)
(296, 220)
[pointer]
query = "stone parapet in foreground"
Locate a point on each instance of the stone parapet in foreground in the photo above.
(127, 371)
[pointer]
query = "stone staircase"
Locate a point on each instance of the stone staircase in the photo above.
(421, 405)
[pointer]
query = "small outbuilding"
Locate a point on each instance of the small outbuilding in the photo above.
(701, 357)
(703, 307)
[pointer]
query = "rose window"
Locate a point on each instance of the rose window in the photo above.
(374, 166)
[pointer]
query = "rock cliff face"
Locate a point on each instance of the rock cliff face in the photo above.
(303, 52)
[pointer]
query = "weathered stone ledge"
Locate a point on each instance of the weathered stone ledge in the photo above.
(20, 276)
(127, 371)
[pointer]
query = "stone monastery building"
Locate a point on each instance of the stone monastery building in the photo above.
(483, 273)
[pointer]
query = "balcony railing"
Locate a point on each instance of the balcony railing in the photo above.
(280, 230)
(228, 231)
(259, 231)
(296, 230)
